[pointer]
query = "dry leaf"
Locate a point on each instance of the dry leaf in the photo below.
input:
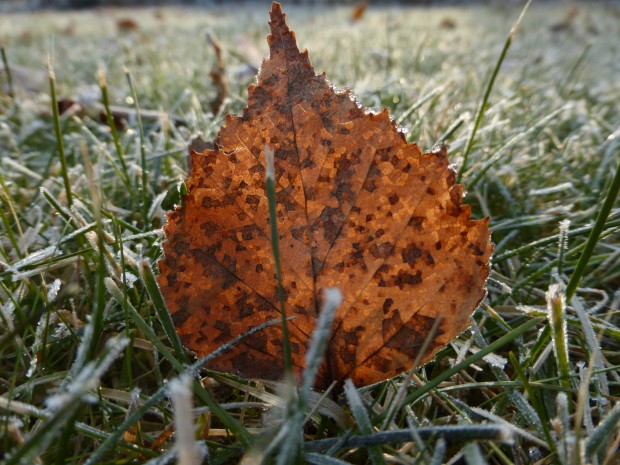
(359, 10)
(127, 25)
(357, 208)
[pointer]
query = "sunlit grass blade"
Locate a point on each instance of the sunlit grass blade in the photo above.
(143, 186)
(597, 230)
(555, 311)
(7, 212)
(99, 303)
(515, 333)
(270, 186)
(450, 131)
(534, 127)
(487, 92)
(59, 142)
(103, 85)
(318, 342)
(146, 330)
(188, 450)
(157, 299)
(612, 222)
(8, 72)
(418, 104)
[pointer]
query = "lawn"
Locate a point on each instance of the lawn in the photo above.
(97, 109)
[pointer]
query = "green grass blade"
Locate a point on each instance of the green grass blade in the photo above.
(452, 434)
(540, 243)
(418, 104)
(112, 125)
(521, 136)
(59, 142)
(604, 432)
(505, 339)
(270, 185)
(534, 399)
(142, 325)
(362, 419)
(40, 439)
(595, 234)
(439, 453)
(9, 208)
(318, 342)
(451, 130)
(229, 422)
(555, 310)
(487, 92)
(144, 190)
(99, 303)
(67, 402)
(148, 278)
(576, 67)
(473, 455)
(9, 73)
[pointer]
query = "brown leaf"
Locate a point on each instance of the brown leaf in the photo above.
(127, 25)
(357, 207)
(359, 10)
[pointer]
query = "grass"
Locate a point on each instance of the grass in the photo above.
(87, 346)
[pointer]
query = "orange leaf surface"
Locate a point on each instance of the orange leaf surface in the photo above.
(358, 208)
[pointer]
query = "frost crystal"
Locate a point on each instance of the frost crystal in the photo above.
(52, 290)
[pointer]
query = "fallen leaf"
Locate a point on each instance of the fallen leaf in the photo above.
(447, 23)
(358, 208)
(359, 10)
(127, 25)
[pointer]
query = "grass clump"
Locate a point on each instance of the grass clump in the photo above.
(87, 346)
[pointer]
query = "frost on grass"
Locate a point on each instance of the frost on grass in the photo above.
(496, 361)
(52, 290)
(320, 336)
(188, 450)
(130, 279)
(8, 312)
(555, 308)
(89, 376)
